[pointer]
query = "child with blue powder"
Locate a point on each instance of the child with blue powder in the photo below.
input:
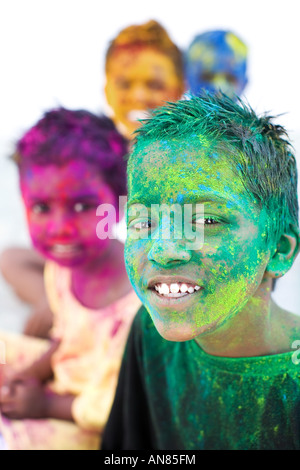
(211, 361)
(57, 394)
(216, 60)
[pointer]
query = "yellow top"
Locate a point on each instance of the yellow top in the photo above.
(88, 360)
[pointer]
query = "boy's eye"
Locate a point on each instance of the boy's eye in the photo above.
(82, 207)
(123, 84)
(231, 79)
(141, 225)
(207, 76)
(206, 221)
(40, 208)
(156, 85)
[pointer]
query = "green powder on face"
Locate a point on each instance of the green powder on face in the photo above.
(232, 258)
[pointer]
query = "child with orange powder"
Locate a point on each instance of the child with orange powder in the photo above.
(144, 69)
(58, 394)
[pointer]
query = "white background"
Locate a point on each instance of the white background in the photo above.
(52, 53)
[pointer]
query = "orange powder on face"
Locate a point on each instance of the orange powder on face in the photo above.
(137, 79)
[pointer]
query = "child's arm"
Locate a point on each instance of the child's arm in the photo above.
(59, 406)
(24, 394)
(30, 399)
(26, 385)
(23, 269)
(40, 369)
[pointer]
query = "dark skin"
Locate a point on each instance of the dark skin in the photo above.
(23, 269)
(25, 394)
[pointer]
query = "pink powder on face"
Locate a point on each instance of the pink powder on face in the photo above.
(61, 203)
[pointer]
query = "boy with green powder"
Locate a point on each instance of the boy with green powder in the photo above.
(211, 361)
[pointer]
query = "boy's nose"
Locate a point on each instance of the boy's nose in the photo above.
(61, 225)
(140, 93)
(166, 252)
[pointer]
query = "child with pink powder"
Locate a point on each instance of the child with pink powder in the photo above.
(57, 394)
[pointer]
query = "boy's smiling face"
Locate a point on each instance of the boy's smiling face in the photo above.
(61, 203)
(139, 80)
(208, 285)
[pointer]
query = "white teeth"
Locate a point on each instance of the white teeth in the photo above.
(64, 248)
(164, 289)
(174, 288)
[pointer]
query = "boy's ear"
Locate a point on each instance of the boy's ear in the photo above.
(285, 254)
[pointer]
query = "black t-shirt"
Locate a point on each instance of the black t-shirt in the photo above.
(174, 396)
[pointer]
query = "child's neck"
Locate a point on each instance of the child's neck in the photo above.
(260, 329)
(102, 281)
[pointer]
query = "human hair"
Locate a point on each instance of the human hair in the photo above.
(260, 150)
(63, 135)
(149, 34)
